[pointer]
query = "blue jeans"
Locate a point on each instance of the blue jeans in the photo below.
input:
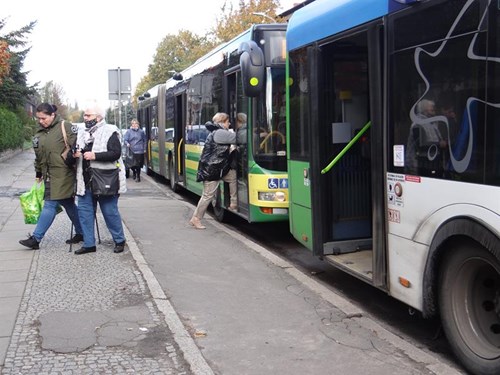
(87, 205)
(49, 213)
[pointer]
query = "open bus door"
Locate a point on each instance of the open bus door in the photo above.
(176, 165)
(347, 196)
(237, 104)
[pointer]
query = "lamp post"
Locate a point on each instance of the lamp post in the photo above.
(264, 15)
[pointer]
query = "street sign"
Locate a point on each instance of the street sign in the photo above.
(119, 84)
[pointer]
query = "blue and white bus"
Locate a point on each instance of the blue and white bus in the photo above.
(393, 126)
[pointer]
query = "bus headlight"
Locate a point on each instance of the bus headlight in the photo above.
(272, 196)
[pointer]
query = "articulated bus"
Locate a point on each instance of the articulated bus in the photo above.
(394, 155)
(174, 114)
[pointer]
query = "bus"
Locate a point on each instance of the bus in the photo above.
(393, 110)
(243, 76)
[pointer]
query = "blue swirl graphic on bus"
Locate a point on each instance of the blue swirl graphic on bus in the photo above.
(461, 153)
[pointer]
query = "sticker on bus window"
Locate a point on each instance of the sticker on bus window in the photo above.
(394, 216)
(399, 155)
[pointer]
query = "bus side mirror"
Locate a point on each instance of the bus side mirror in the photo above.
(252, 65)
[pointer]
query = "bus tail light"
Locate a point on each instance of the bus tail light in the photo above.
(274, 211)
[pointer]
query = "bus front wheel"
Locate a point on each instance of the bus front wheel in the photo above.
(469, 302)
(219, 211)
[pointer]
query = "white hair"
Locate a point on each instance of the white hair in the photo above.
(93, 107)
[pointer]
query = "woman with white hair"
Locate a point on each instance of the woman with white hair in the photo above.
(98, 154)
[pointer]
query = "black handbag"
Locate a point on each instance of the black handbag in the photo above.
(105, 181)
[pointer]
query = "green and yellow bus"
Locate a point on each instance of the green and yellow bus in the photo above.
(245, 75)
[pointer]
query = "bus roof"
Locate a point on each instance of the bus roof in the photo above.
(218, 54)
(323, 18)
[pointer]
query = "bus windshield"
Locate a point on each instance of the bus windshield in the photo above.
(269, 135)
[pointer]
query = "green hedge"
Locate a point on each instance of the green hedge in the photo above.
(14, 129)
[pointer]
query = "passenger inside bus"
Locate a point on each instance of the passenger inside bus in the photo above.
(426, 148)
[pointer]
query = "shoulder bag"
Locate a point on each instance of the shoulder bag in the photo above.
(64, 154)
(104, 182)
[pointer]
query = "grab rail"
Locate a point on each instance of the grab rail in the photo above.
(346, 148)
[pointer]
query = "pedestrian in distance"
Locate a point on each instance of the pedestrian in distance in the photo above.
(49, 144)
(215, 165)
(98, 149)
(135, 141)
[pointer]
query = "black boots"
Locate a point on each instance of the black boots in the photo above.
(76, 238)
(30, 242)
(85, 250)
(119, 247)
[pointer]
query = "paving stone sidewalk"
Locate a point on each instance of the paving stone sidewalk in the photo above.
(88, 314)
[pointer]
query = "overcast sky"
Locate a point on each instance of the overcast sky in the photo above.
(75, 43)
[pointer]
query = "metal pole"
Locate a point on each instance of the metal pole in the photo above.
(119, 100)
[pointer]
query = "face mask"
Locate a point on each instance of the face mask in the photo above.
(90, 123)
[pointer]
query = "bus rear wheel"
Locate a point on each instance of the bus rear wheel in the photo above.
(469, 301)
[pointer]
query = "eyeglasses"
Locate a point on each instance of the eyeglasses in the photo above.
(89, 114)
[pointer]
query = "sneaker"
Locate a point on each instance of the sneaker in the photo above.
(30, 242)
(119, 247)
(76, 238)
(85, 250)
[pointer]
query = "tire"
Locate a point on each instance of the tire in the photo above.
(171, 176)
(469, 302)
(219, 211)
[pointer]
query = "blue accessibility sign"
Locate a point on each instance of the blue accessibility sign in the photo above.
(272, 183)
(275, 183)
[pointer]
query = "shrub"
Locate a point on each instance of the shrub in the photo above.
(11, 130)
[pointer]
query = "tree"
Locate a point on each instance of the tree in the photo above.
(233, 22)
(4, 60)
(177, 52)
(173, 54)
(53, 93)
(14, 89)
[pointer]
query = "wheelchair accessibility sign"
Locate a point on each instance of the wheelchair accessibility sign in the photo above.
(277, 183)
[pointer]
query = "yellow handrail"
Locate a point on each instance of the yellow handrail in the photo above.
(179, 147)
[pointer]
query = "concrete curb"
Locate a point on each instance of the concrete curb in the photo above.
(191, 352)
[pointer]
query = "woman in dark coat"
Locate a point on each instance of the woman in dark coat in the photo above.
(50, 167)
(215, 165)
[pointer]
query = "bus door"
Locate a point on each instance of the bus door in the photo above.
(179, 161)
(238, 109)
(160, 114)
(145, 121)
(342, 194)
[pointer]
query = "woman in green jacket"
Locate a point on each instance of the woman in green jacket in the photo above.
(49, 144)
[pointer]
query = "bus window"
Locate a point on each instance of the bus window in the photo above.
(196, 134)
(299, 106)
(438, 102)
(269, 136)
